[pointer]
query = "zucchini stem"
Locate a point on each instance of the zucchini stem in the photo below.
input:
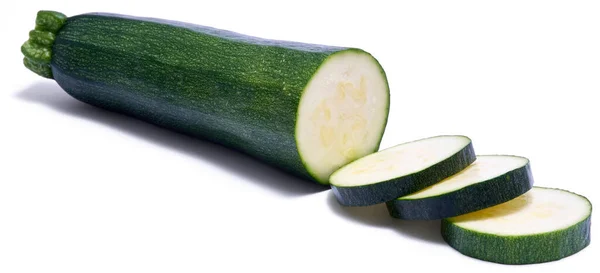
(38, 49)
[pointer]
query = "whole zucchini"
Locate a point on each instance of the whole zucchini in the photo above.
(307, 109)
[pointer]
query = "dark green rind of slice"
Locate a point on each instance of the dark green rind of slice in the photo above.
(471, 198)
(385, 191)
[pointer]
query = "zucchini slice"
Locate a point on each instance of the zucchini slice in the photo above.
(541, 225)
(401, 170)
(489, 181)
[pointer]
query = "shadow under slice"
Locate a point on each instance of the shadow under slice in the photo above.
(378, 216)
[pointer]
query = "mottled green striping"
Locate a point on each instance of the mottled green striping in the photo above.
(471, 198)
(239, 91)
(530, 249)
(385, 191)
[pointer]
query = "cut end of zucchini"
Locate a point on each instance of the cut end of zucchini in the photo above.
(541, 225)
(400, 160)
(342, 113)
(38, 49)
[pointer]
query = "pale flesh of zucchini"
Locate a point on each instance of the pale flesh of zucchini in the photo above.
(540, 210)
(342, 113)
(484, 168)
(398, 161)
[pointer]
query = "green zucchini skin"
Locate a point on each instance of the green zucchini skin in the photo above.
(239, 91)
(468, 199)
(539, 248)
(385, 191)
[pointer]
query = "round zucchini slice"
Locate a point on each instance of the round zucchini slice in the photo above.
(401, 170)
(541, 225)
(489, 181)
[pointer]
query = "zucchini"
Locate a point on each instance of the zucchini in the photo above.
(401, 170)
(541, 225)
(307, 109)
(489, 181)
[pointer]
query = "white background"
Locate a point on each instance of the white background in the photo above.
(85, 190)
